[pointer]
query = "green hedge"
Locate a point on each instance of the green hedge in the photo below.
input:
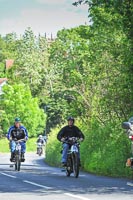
(104, 150)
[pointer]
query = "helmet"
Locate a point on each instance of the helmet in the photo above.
(70, 118)
(17, 119)
(131, 120)
(40, 136)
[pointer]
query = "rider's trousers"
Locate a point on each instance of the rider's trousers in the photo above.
(64, 152)
(13, 145)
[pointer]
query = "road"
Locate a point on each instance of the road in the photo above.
(37, 180)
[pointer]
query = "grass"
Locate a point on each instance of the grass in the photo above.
(30, 145)
(4, 146)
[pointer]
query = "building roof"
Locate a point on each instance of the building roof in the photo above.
(9, 63)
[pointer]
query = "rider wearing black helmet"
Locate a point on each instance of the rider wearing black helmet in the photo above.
(70, 118)
(68, 131)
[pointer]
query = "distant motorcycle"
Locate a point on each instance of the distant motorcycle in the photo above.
(39, 148)
(72, 165)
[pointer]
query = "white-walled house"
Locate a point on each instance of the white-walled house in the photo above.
(2, 83)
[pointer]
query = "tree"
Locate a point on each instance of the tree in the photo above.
(18, 101)
(31, 60)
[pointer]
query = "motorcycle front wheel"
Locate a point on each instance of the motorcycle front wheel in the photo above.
(40, 151)
(69, 167)
(75, 160)
(17, 162)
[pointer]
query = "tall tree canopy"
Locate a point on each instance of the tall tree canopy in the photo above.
(17, 100)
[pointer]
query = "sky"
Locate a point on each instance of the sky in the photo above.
(42, 16)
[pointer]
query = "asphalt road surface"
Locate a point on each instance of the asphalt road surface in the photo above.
(36, 180)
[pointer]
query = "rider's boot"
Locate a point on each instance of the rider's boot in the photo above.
(12, 157)
(22, 157)
(64, 164)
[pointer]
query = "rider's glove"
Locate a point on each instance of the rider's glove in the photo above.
(81, 139)
(10, 138)
(62, 139)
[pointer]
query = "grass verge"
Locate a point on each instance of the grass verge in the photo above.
(30, 145)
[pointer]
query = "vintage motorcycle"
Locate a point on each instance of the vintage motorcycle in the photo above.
(39, 148)
(18, 155)
(73, 162)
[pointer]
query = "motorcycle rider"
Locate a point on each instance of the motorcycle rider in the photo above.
(40, 140)
(69, 130)
(128, 126)
(15, 133)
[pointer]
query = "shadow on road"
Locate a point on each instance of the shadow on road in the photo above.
(37, 177)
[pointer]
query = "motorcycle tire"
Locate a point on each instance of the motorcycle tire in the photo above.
(17, 162)
(39, 151)
(75, 161)
(69, 167)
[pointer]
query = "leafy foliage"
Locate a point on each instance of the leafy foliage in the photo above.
(85, 72)
(17, 101)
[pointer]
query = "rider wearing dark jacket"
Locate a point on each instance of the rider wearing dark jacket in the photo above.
(70, 131)
(66, 132)
(40, 139)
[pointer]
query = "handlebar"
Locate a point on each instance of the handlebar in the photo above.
(70, 140)
(17, 141)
